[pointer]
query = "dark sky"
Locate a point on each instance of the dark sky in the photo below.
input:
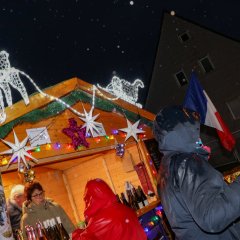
(54, 40)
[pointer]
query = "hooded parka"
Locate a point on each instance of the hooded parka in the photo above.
(106, 218)
(198, 203)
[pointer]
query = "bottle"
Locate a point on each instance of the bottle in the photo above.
(131, 200)
(34, 237)
(63, 233)
(47, 232)
(40, 234)
(138, 198)
(124, 201)
(55, 230)
(118, 199)
(28, 232)
(19, 234)
(143, 196)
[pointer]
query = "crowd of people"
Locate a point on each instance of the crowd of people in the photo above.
(197, 201)
(105, 217)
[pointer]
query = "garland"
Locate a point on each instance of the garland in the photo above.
(55, 108)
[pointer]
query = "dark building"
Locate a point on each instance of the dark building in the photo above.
(184, 47)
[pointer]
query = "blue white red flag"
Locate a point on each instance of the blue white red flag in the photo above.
(197, 100)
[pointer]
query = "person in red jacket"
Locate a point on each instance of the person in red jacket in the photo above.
(106, 218)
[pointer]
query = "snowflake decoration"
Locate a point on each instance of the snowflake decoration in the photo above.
(19, 150)
(132, 130)
(124, 89)
(90, 123)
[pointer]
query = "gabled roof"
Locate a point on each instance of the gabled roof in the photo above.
(71, 91)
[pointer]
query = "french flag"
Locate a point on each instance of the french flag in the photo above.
(197, 100)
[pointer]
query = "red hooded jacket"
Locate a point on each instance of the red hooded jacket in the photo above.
(107, 219)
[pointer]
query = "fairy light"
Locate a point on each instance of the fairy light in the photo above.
(11, 76)
(50, 96)
(111, 137)
(4, 161)
(122, 89)
(48, 146)
(37, 149)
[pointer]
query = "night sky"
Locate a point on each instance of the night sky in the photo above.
(54, 40)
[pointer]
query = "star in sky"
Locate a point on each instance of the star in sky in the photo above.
(132, 130)
(90, 123)
(19, 151)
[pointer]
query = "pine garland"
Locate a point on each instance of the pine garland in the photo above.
(54, 108)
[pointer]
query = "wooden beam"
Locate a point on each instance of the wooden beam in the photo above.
(63, 157)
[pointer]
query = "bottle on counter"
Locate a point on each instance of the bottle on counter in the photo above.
(143, 196)
(132, 201)
(63, 233)
(46, 230)
(40, 231)
(28, 232)
(34, 237)
(55, 229)
(118, 198)
(19, 234)
(138, 198)
(124, 200)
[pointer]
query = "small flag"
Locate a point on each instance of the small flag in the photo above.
(197, 100)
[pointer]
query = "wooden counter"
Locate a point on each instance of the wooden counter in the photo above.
(148, 208)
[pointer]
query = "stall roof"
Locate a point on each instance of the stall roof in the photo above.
(70, 91)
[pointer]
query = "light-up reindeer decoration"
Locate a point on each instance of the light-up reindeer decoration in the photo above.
(10, 76)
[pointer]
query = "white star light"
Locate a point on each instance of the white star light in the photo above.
(19, 151)
(90, 123)
(132, 130)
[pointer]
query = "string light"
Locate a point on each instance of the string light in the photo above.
(11, 76)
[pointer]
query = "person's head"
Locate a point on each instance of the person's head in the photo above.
(97, 195)
(17, 194)
(34, 192)
(177, 129)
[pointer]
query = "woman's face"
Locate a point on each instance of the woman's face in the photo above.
(38, 197)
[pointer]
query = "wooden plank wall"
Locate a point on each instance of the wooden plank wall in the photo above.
(96, 168)
(52, 182)
(108, 166)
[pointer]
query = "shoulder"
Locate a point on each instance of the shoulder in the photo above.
(51, 203)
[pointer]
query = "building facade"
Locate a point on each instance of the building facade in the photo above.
(184, 47)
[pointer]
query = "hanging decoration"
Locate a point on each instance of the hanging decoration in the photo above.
(90, 123)
(120, 149)
(124, 90)
(132, 130)
(72, 98)
(10, 76)
(19, 151)
(28, 173)
(76, 133)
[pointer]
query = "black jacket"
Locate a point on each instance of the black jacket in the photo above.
(15, 214)
(198, 203)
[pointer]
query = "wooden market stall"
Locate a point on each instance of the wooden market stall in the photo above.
(63, 170)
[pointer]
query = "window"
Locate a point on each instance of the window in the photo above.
(181, 78)
(234, 107)
(206, 64)
(184, 37)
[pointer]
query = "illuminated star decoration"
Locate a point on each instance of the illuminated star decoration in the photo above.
(89, 120)
(19, 151)
(77, 134)
(132, 130)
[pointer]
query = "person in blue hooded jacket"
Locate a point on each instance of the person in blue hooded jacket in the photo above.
(197, 201)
